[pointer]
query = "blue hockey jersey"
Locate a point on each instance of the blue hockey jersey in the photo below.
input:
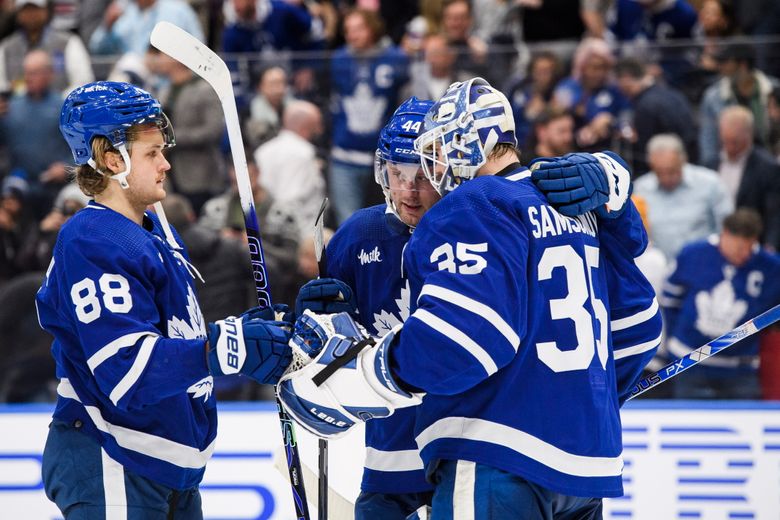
(511, 336)
(366, 92)
(706, 297)
(129, 345)
(366, 253)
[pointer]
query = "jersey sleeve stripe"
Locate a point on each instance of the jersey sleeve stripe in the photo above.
(132, 375)
(476, 307)
(638, 349)
(128, 340)
(457, 336)
(481, 430)
(401, 460)
(147, 444)
(636, 319)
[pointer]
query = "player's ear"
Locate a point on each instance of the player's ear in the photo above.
(114, 161)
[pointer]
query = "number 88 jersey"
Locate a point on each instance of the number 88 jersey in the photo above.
(129, 342)
(512, 337)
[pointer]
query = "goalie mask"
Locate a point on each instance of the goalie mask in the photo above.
(109, 109)
(397, 166)
(461, 130)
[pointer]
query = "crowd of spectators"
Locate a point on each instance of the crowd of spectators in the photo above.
(685, 90)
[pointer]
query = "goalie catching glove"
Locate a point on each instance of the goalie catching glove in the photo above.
(580, 182)
(254, 344)
(347, 382)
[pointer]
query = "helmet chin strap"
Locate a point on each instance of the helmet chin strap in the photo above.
(121, 178)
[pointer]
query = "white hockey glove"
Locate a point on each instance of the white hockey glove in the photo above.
(348, 381)
(580, 182)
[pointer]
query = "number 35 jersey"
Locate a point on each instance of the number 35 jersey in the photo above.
(129, 345)
(511, 338)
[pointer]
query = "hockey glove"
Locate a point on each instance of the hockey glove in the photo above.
(325, 296)
(280, 312)
(251, 346)
(348, 381)
(580, 182)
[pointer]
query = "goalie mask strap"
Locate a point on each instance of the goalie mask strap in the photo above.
(350, 354)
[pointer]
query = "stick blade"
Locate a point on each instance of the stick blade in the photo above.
(194, 54)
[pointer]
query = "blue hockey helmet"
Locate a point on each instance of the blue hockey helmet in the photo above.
(109, 109)
(397, 164)
(460, 131)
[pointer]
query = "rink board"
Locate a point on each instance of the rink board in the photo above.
(689, 460)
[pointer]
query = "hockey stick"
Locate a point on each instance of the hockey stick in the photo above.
(196, 56)
(745, 330)
(322, 489)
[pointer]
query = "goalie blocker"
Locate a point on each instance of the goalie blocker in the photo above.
(348, 381)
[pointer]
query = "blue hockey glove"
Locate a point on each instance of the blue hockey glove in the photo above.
(251, 346)
(347, 382)
(580, 182)
(279, 312)
(325, 296)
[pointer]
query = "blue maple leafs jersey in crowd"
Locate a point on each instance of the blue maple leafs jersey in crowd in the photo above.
(129, 345)
(366, 254)
(630, 20)
(511, 339)
(366, 89)
(706, 297)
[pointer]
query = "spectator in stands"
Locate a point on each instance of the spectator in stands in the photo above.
(366, 78)
(750, 174)
(553, 135)
(267, 106)
(127, 25)
(685, 202)
(30, 129)
(457, 27)
(591, 95)
(425, 24)
(289, 168)
(594, 16)
(71, 65)
(741, 84)
(15, 224)
(654, 20)
(197, 164)
(498, 22)
(531, 94)
(431, 76)
(656, 109)
(773, 114)
(716, 21)
(652, 262)
(718, 284)
(224, 215)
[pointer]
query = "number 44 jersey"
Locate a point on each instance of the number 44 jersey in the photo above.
(512, 334)
(129, 345)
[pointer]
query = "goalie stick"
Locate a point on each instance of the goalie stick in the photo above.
(196, 56)
(711, 348)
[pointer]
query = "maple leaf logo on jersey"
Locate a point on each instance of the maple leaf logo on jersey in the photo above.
(384, 321)
(719, 310)
(202, 388)
(194, 327)
(365, 111)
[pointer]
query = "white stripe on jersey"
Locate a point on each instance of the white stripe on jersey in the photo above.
(636, 319)
(114, 488)
(132, 375)
(457, 336)
(463, 490)
(471, 305)
(401, 460)
(481, 430)
(638, 349)
(519, 176)
(128, 340)
(147, 444)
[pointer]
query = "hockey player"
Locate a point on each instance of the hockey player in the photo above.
(365, 253)
(510, 341)
(135, 420)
